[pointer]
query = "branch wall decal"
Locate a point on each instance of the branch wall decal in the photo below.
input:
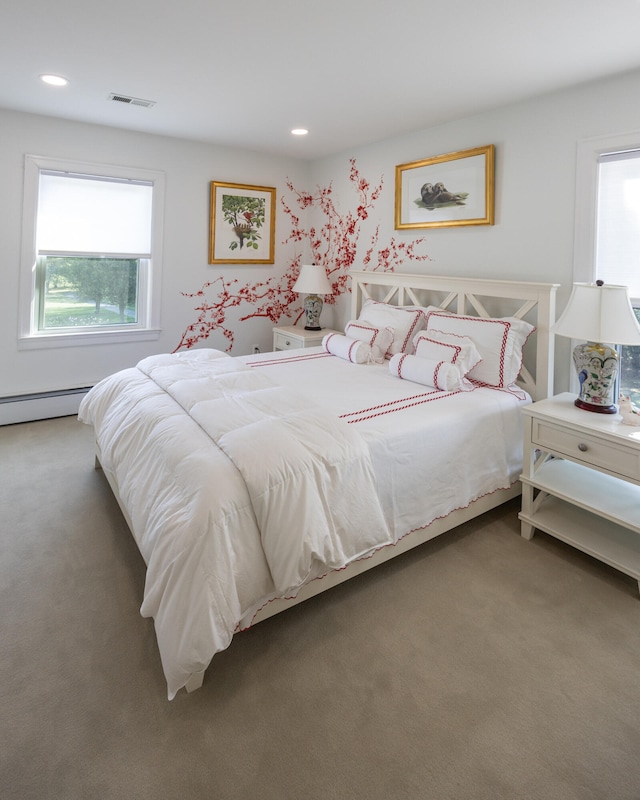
(333, 245)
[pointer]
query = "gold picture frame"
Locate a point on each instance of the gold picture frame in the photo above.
(242, 224)
(446, 190)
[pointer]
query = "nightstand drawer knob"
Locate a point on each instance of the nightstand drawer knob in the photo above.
(582, 447)
(288, 342)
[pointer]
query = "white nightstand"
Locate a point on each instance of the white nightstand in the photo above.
(290, 337)
(581, 481)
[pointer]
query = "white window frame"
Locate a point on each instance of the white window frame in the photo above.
(586, 208)
(150, 279)
(589, 152)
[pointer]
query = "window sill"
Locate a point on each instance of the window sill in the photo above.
(51, 340)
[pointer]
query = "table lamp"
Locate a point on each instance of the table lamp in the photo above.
(313, 282)
(598, 313)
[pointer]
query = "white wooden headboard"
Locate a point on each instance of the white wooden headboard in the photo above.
(534, 301)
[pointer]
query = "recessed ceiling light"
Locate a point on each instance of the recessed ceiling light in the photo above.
(54, 80)
(299, 131)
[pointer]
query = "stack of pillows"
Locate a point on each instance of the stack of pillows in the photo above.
(433, 347)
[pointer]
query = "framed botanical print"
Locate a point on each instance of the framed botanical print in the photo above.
(242, 224)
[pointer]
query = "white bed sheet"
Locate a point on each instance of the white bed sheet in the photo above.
(191, 512)
(450, 447)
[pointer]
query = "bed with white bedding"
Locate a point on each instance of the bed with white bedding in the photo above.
(252, 483)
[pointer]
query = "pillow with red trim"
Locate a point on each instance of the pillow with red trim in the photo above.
(442, 375)
(438, 346)
(499, 342)
(424, 309)
(358, 352)
(378, 339)
(405, 323)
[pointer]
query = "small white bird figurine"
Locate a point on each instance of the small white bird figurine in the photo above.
(630, 414)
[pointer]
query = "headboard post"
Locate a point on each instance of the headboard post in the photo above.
(545, 347)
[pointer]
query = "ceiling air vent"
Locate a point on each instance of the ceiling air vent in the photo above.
(131, 101)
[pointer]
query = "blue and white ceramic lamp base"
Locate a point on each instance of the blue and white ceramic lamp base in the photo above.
(597, 368)
(312, 311)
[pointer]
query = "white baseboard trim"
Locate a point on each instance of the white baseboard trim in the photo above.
(28, 408)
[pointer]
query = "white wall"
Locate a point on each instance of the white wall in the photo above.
(189, 167)
(532, 239)
(536, 144)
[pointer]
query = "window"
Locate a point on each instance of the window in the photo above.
(608, 229)
(91, 253)
(618, 244)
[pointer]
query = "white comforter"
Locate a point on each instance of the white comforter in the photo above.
(218, 498)
(308, 475)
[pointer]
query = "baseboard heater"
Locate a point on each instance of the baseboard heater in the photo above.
(40, 405)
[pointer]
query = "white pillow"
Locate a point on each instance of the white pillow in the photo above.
(350, 349)
(424, 309)
(405, 323)
(378, 339)
(441, 375)
(498, 340)
(438, 346)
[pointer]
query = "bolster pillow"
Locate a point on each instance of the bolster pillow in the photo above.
(439, 374)
(349, 349)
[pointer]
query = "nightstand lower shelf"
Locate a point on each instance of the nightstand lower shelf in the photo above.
(605, 540)
(609, 497)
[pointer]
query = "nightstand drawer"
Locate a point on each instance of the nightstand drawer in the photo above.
(585, 448)
(290, 337)
(282, 341)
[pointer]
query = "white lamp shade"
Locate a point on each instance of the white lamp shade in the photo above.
(599, 314)
(312, 280)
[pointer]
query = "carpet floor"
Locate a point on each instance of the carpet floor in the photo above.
(479, 666)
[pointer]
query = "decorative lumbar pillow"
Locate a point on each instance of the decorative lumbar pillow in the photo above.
(405, 323)
(378, 339)
(357, 352)
(499, 342)
(441, 375)
(438, 346)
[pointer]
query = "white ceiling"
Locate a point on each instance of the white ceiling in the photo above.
(351, 71)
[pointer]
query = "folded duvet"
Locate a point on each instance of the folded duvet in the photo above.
(308, 474)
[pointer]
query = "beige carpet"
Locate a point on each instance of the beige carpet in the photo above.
(479, 666)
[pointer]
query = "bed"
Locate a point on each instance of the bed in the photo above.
(253, 483)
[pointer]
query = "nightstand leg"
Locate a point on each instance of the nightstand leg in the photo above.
(527, 531)
(526, 528)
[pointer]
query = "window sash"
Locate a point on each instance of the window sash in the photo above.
(617, 248)
(40, 303)
(617, 243)
(82, 214)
